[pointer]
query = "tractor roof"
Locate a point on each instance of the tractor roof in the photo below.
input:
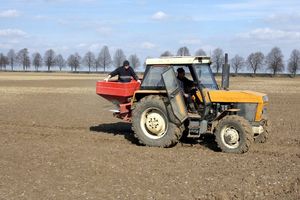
(178, 60)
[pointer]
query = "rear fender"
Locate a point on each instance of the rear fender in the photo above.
(139, 94)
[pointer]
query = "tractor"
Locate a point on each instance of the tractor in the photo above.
(159, 115)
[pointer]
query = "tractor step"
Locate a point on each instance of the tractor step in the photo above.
(194, 128)
(194, 134)
(194, 116)
(197, 127)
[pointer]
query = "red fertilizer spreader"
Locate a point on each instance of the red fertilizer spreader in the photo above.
(119, 94)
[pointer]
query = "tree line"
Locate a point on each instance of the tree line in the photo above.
(272, 62)
(74, 61)
(256, 61)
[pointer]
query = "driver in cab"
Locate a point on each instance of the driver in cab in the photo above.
(186, 85)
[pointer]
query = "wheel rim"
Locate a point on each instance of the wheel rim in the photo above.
(230, 137)
(153, 123)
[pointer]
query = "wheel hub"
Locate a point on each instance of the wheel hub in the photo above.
(155, 123)
(231, 136)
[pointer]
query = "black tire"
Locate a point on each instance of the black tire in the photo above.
(263, 137)
(234, 134)
(146, 116)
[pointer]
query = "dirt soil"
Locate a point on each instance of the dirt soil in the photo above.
(58, 140)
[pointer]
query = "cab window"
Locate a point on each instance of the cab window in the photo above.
(153, 77)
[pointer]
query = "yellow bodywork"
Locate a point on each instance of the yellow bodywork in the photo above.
(218, 96)
(236, 96)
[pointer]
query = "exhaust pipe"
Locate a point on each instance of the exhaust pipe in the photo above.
(225, 73)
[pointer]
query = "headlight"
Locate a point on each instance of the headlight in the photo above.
(264, 111)
(265, 98)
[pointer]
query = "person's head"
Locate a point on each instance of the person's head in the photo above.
(180, 72)
(126, 64)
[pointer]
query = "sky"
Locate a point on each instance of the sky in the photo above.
(150, 27)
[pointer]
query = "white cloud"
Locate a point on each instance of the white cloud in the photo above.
(9, 13)
(148, 45)
(5, 46)
(104, 30)
(63, 48)
(283, 18)
(66, 1)
(159, 15)
(254, 9)
(86, 1)
(63, 21)
(12, 33)
(81, 45)
(95, 47)
(270, 34)
(284, 21)
(239, 5)
(190, 41)
(41, 17)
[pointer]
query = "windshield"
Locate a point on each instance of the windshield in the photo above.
(205, 76)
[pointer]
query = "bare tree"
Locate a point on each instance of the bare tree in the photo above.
(78, 61)
(60, 61)
(49, 58)
(183, 51)
(71, 61)
(74, 61)
(237, 62)
(37, 61)
(97, 64)
(218, 59)
(166, 54)
(3, 61)
(104, 58)
(119, 58)
(255, 61)
(134, 61)
(200, 52)
(294, 62)
(11, 55)
(89, 60)
(23, 58)
(274, 60)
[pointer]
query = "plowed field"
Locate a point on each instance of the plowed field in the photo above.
(58, 140)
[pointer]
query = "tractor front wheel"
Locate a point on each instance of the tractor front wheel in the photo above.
(151, 124)
(234, 134)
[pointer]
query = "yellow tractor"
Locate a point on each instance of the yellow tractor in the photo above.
(159, 114)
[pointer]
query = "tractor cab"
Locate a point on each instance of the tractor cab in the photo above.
(197, 69)
(161, 75)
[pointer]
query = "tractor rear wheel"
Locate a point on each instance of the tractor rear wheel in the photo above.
(151, 123)
(234, 134)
